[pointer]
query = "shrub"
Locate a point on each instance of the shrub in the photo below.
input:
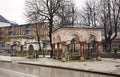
(119, 47)
(115, 50)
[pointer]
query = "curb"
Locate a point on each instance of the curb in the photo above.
(5, 61)
(68, 68)
(111, 61)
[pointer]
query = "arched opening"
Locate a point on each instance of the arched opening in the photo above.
(73, 47)
(92, 38)
(92, 46)
(31, 48)
(30, 51)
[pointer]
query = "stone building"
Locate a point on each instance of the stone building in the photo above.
(22, 33)
(75, 42)
(4, 25)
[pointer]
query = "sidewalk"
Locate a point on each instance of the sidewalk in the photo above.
(108, 66)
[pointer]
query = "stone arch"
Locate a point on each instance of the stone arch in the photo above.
(90, 46)
(31, 48)
(72, 35)
(92, 37)
(30, 51)
(72, 45)
(58, 39)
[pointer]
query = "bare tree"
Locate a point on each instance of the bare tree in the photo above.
(45, 10)
(40, 33)
(34, 19)
(110, 16)
(90, 13)
(67, 13)
(36, 28)
(105, 13)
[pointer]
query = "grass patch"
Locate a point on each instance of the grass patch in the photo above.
(111, 55)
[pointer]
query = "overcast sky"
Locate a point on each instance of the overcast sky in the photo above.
(13, 10)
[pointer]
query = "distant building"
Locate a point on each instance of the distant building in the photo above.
(23, 33)
(11, 32)
(4, 24)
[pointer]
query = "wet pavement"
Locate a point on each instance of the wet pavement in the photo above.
(106, 66)
(8, 69)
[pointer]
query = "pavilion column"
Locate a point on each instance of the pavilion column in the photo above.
(89, 51)
(53, 47)
(58, 49)
(81, 50)
(98, 50)
(63, 51)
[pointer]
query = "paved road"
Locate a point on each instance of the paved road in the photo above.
(21, 70)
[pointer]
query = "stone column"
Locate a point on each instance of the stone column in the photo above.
(81, 50)
(63, 51)
(58, 49)
(89, 51)
(53, 47)
(98, 50)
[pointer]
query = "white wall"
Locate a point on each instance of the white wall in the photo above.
(2, 24)
(82, 33)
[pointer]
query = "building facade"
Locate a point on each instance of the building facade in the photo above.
(22, 33)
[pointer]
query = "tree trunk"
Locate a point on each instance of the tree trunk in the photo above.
(38, 38)
(51, 52)
(109, 46)
(39, 43)
(50, 36)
